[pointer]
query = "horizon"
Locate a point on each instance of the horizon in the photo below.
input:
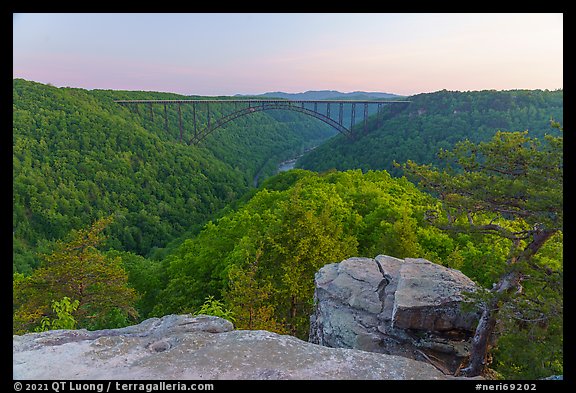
(278, 91)
(227, 54)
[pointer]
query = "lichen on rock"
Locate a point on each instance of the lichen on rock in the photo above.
(182, 347)
(408, 307)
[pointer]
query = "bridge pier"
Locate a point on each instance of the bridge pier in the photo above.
(262, 105)
(166, 117)
(365, 118)
(180, 121)
(194, 119)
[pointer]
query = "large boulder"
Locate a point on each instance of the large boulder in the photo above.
(407, 307)
(204, 347)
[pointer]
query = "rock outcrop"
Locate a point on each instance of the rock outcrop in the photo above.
(185, 347)
(400, 307)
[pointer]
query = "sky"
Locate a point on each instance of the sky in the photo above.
(244, 53)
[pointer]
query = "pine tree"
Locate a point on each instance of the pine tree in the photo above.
(510, 187)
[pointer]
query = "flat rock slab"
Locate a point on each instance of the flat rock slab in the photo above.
(203, 347)
(428, 297)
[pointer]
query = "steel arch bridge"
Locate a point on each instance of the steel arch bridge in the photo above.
(239, 108)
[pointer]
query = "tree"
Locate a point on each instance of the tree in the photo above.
(310, 233)
(510, 187)
(79, 271)
(250, 298)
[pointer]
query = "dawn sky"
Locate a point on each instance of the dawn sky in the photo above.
(226, 54)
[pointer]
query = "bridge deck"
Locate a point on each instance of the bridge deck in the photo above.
(252, 105)
(258, 101)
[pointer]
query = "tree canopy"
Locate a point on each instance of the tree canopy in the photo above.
(510, 187)
(434, 121)
(114, 221)
(78, 156)
(261, 257)
(76, 270)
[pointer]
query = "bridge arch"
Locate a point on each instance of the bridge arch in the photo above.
(257, 105)
(265, 106)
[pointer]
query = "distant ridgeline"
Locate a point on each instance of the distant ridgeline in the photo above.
(326, 95)
(78, 156)
(437, 121)
(190, 233)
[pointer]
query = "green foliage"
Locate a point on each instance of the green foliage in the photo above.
(216, 308)
(78, 156)
(435, 121)
(64, 319)
(531, 343)
(261, 258)
(146, 276)
(77, 270)
(250, 299)
(483, 260)
(510, 190)
(532, 352)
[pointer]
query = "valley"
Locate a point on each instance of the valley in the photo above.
(240, 223)
(283, 196)
(291, 163)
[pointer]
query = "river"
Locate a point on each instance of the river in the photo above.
(289, 164)
(284, 165)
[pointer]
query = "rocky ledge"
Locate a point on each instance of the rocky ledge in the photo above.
(408, 307)
(202, 347)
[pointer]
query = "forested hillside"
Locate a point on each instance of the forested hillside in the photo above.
(435, 121)
(100, 190)
(78, 156)
(256, 264)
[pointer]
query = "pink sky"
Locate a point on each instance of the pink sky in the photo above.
(225, 54)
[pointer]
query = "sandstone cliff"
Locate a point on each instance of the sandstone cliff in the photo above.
(381, 318)
(203, 347)
(408, 307)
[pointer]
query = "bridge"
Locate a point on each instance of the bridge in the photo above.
(324, 110)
